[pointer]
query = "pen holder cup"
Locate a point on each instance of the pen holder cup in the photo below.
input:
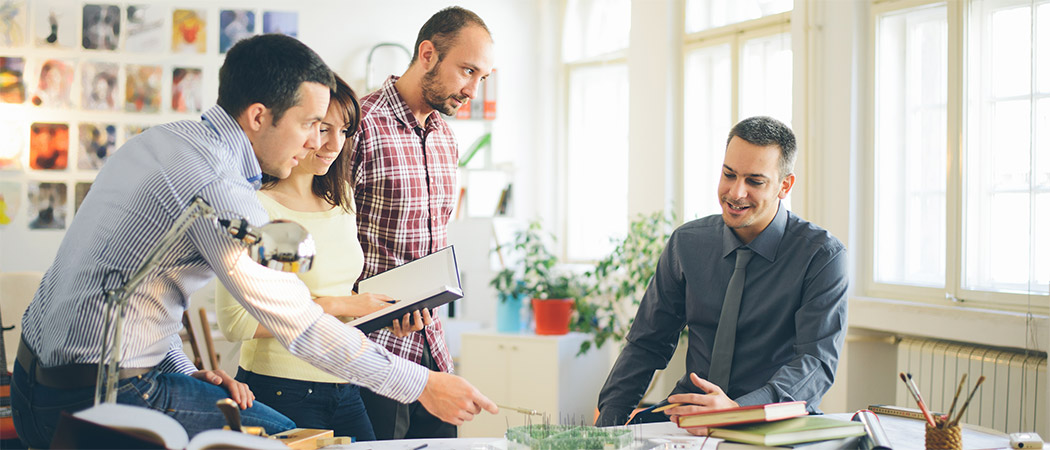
(946, 438)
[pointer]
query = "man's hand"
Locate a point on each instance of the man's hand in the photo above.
(713, 400)
(239, 392)
(411, 323)
(453, 400)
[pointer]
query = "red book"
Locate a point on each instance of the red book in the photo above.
(745, 414)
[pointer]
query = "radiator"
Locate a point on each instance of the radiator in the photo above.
(1012, 398)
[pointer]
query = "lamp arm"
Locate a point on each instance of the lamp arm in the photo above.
(116, 300)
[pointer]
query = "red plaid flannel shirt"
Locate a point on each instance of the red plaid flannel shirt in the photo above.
(404, 179)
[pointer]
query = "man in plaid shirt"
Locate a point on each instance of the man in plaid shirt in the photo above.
(404, 178)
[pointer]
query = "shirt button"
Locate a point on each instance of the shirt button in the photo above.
(309, 391)
(278, 393)
(145, 396)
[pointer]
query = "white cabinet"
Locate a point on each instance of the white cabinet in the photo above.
(532, 372)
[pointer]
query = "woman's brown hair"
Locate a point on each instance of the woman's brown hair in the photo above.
(333, 186)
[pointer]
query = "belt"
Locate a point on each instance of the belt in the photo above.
(68, 376)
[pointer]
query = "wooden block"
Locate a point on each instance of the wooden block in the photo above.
(340, 440)
(303, 438)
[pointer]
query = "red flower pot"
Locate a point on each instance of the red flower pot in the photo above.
(552, 315)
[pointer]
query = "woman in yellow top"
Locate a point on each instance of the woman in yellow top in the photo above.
(316, 196)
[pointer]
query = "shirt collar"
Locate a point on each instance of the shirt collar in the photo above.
(401, 110)
(232, 136)
(765, 244)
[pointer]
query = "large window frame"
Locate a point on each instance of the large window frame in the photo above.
(735, 36)
(953, 291)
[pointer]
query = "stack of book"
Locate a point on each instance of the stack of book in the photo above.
(775, 424)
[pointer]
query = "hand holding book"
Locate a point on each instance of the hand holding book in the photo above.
(714, 400)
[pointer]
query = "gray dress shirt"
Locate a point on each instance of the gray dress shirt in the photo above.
(792, 315)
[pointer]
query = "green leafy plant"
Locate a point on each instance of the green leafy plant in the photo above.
(618, 281)
(533, 273)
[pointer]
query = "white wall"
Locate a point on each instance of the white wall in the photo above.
(342, 33)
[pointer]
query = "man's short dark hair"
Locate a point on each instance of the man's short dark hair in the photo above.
(269, 69)
(442, 29)
(764, 131)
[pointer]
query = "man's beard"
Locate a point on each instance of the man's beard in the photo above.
(433, 97)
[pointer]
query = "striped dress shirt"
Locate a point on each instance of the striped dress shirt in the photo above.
(135, 199)
(404, 179)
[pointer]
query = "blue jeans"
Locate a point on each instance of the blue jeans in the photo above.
(328, 406)
(186, 399)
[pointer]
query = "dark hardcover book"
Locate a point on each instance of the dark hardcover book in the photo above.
(427, 282)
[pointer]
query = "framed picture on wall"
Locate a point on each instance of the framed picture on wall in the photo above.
(13, 31)
(281, 22)
(234, 25)
(46, 208)
(187, 90)
(145, 25)
(142, 89)
(48, 146)
(12, 79)
(99, 86)
(54, 24)
(189, 31)
(101, 27)
(12, 146)
(53, 85)
(79, 192)
(10, 201)
(97, 144)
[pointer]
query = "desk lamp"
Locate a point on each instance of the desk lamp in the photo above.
(280, 245)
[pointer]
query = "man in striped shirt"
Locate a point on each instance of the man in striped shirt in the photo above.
(404, 178)
(273, 94)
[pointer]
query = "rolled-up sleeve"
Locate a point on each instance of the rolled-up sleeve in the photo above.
(281, 303)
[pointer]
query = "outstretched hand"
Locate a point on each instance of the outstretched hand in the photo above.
(713, 400)
(453, 399)
(239, 392)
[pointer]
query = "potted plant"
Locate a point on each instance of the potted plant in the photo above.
(619, 281)
(533, 275)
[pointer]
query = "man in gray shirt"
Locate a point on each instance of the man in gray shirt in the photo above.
(779, 335)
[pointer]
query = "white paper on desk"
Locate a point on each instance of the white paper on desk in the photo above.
(416, 279)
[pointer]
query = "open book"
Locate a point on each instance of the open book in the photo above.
(427, 282)
(113, 425)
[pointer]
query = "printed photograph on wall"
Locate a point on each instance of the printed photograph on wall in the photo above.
(79, 192)
(54, 24)
(54, 84)
(101, 27)
(142, 89)
(10, 200)
(97, 143)
(12, 23)
(12, 79)
(48, 146)
(132, 130)
(281, 22)
(145, 29)
(46, 208)
(12, 146)
(99, 86)
(234, 25)
(188, 28)
(186, 90)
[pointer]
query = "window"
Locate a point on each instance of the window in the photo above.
(595, 38)
(959, 198)
(911, 88)
(731, 73)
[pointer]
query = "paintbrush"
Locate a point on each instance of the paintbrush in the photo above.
(910, 383)
(955, 399)
(967, 402)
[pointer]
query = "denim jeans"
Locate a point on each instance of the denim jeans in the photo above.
(188, 400)
(328, 406)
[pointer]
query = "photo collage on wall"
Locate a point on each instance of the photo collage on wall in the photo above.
(79, 79)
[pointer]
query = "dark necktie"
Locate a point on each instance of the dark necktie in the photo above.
(725, 336)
